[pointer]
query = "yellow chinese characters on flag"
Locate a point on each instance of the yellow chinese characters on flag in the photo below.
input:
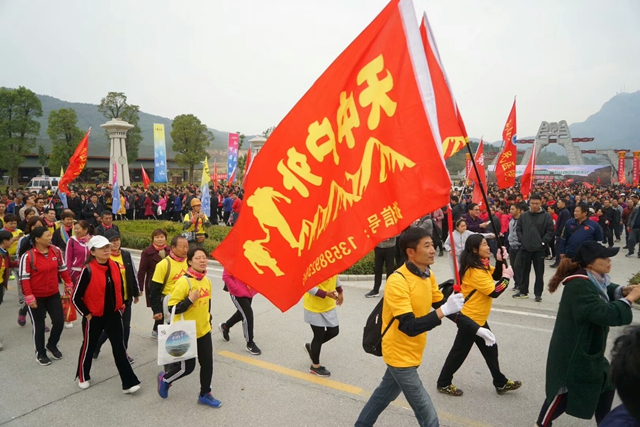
(353, 163)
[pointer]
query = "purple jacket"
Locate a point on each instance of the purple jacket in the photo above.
(236, 287)
(76, 255)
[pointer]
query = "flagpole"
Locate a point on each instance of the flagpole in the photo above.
(496, 231)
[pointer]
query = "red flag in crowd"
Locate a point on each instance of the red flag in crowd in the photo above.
(77, 162)
(332, 180)
(145, 178)
(481, 179)
(529, 172)
(214, 177)
(452, 130)
(247, 165)
(506, 166)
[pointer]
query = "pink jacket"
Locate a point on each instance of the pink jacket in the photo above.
(236, 287)
(76, 255)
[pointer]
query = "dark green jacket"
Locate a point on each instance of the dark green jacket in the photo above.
(576, 352)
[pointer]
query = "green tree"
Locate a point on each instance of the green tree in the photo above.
(65, 135)
(115, 105)
(190, 139)
(242, 161)
(241, 138)
(18, 126)
(267, 133)
(42, 157)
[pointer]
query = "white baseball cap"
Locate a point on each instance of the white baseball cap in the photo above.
(98, 242)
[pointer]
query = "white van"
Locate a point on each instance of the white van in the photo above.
(39, 182)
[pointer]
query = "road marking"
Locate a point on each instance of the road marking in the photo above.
(336, 385)
(522, 327)
(524, 313)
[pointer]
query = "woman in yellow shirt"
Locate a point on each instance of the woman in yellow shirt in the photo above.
(191, 296)
(480, 284)
(320, 312)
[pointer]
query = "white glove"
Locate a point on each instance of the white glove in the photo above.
(453, 305)
(502, 254)
(487, 336)
(507, 272)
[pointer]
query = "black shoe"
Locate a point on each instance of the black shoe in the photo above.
(629, 255)
(520, 295)
(441, 253)
(43, 360)
(55, 353)
(307, 347)
(625, 247)
(538, 299)
(320, 371)
(554, 265)
(509, 386)
(95, 355)
(372, 294)
(225, 331)
(253, 349)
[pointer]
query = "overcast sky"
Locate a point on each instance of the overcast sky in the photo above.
(242, 65)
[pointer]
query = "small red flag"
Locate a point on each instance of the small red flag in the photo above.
(481, 179)
(247, 165)
(529, 172)
(145, 178)
(506, 166)
(77, 162)
(214, 177)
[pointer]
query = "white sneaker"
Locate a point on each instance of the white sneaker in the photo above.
(68, 325)
(83, 384)
(132, 389)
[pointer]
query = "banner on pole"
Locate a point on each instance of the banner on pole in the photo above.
(232, 157)
(159, 154)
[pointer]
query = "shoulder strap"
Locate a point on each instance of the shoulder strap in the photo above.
(166, 276)
(30, 255)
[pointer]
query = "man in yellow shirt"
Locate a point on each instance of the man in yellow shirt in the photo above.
(410, 294)
(165, 276)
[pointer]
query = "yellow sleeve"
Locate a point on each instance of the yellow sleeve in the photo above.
(436, 295)
(160, 271)
(397, 296)
(180, 291)
(481, 280)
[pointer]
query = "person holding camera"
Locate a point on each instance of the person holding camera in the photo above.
(195, 224)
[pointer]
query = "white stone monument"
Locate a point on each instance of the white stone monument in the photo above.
(256, 144)
(118, 129)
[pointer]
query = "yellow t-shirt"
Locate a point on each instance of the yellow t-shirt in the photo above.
(178, 269)
(411, 294)
(199, 310)
(14, 246)
(200, 223)
(123, 272)
(479, 305)
(321, 305)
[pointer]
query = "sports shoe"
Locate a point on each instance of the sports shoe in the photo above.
(154, 335)
(253, 349)
(132, 389)
(554, 265)
(43, 360)
(538, 299)
(307, 347)
(12, 277)
(320, 371)
(629, 255)
(68, 325)
(520, 295)
(22, 320)
(372, 294)
(83, 384)
(225, 331)
(509, 386)
(451, 390)
(209, 400)
(55, 353)
(163, 387)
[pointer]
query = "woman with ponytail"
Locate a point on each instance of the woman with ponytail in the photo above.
(481, 283)
(191, 297)
(577, 377)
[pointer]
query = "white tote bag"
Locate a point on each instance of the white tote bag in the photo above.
(177, 340)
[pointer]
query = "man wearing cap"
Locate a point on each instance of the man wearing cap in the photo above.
(195, 223)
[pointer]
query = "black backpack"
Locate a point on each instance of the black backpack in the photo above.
(373, 334)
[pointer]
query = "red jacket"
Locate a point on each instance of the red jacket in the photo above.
(39, 276)
(237, 205)
(90, 293)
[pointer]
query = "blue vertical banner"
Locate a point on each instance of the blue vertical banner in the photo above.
(232, 158)
(115, 203)
(159, 154)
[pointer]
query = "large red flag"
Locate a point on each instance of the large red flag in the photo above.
(145, 178)
(506, 166)
(77, 162)
(450, 124)
(356, 161)
(481, 179)
(527, 178)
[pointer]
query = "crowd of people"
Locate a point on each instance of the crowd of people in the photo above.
(70, 262)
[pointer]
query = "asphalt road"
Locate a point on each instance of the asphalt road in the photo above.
(274, 389)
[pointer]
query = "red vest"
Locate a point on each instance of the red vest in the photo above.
(95, 293)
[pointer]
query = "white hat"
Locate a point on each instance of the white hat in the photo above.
(98, 242)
